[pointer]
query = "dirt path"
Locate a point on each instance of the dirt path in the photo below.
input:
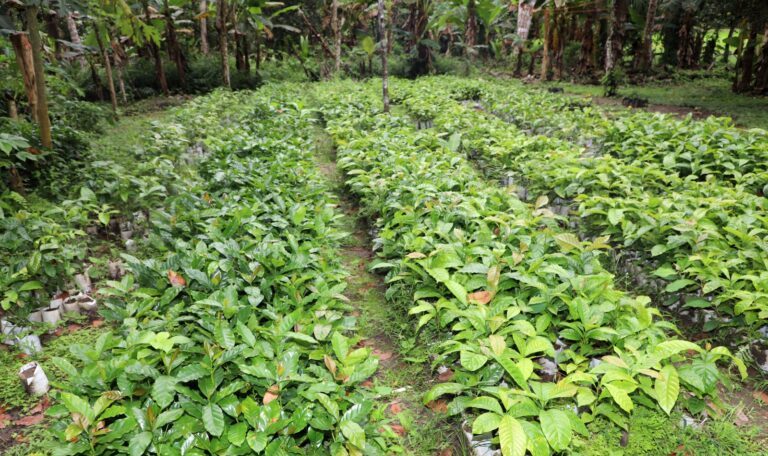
(399, 384)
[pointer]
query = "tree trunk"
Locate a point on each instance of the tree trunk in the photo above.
(586, 63)
(95, 79)
(13, 111)
(547, 43)
(727, 50)
(121, 59)
(686, 53)
(615, 43)
(37, 57)
(384, 52)
(761, 80)
(74, 37)
(154, 51)
(747, 63)
(258, 49)
(204, 27)
(470, 29)
(107, 67)
(709, 50)
(524, 20)
(23, 50)
(336, 30)
(221, 23)
(174, 50)
(645, 56)
(53, 30)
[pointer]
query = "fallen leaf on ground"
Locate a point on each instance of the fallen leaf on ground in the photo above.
(445, 376)
(97, 323)
(399, 430)
(440, 406)
(395, 408)
(72, 327)
(30, 420)
(367, 384)
(382, 355)
(740, 418)
(760, 396)
(445, 452)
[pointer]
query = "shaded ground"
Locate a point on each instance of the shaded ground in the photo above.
(399, 383)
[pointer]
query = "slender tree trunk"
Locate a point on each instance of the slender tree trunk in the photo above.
(37, 57)
(761, 80)
(524, 20)
(246, 54)
(74, 37)
(727, 50)
(470, 29)
(204, 27)
(686, 53)
(615, 43)
(154, 51)
(53, 30)
(384, 52)
(96, 80)
(174, 50)
(336, 29)
(747, 62)
(258, 49)
(547, 43)
(13, 111)
(121, 59)
(23, 50)
(107, 67)
(645, 56)
(221, 12)
(586, 63)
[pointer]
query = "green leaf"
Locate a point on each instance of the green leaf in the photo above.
(667, 388)
(458, 290)
(486, 422)
(620, 397)
(485, 403)
(164, 390)
(31, 285)
(672, 347)
(442, 389)
(224, 335)
(246, 334)
(512, 438)
(213, 419)
(340, 346)
(615, 216)
(76, 404)
(236, 433)
(678, 284)
(568, 241)
(557, 428)
(139, 443)
(472, 361)
(354, 433)
(257, 441)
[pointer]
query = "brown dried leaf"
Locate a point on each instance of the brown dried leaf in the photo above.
(30, 420)
(439, 406)
(176, 279)
(398, 429)
(445, 376)
(760, 396)
(395, 408)
(480, 297)
(97, 323)
(271, 394)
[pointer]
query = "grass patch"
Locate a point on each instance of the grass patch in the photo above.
(712, 95)
(654, 433)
